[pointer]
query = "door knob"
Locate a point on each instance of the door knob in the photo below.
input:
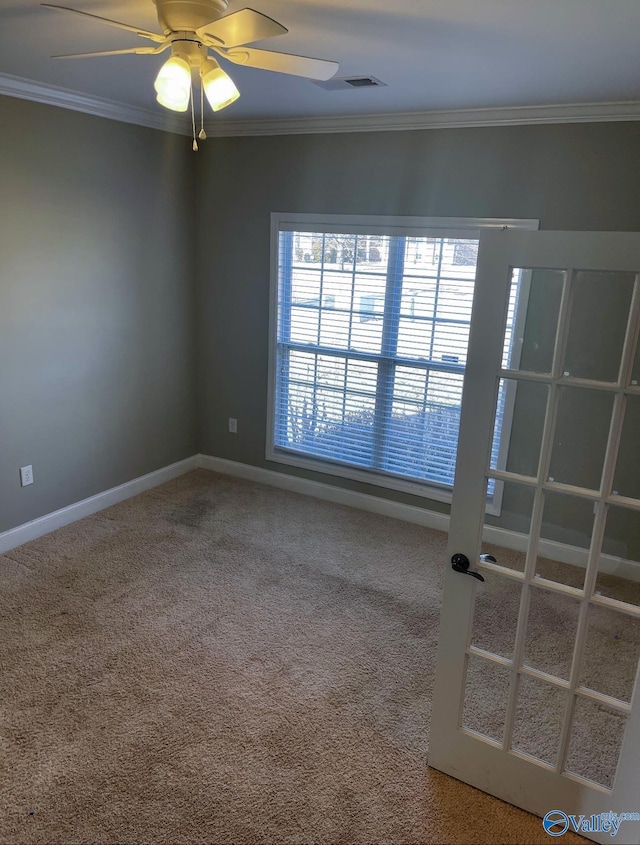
(460, 563)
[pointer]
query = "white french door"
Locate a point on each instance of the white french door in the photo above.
(536, 697)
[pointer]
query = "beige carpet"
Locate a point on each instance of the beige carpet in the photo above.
(220, 662)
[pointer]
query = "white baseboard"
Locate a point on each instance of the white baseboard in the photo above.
(52, 521)
(327, 492)
(410, 513)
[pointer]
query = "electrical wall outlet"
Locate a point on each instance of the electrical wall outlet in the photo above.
(26, 475)
(233, 425)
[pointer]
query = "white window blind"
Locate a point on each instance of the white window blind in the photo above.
(371, 347)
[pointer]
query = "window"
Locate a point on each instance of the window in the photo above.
(369, 343)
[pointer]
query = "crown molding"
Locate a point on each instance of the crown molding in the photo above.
(442, 119)
(40, 92)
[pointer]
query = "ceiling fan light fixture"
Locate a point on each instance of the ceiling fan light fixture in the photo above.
(190, 28)
(173, 84)
(218, 86)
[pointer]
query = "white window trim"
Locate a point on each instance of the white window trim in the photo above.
(450, 227)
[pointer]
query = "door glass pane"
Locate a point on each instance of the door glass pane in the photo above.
(485, 698)
(535, 305)
(626, 481)
(551, 631)
(509, 558)
(495, 615)
(619, 567)
(560, 571)
(520, 417)
(565, 538)
(514, 503)
(612, 649)
(598, 325)
(567, 519)
(538, 721)
(578, 460)
(596, 740)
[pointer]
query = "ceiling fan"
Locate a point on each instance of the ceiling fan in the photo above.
(190, 29)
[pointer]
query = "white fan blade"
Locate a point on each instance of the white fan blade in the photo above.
(139, 51)
(143, 33)
(241, 27)
(281, 62)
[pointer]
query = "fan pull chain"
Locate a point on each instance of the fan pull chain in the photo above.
(193, 121)
(202, 134)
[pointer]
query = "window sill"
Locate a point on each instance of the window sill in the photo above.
(365, 476)
(378, 479)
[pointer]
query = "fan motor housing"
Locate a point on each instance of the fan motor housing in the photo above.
(175, 15)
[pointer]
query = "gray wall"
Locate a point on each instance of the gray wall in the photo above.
(581, 177)
(101, 256)
(97, 354)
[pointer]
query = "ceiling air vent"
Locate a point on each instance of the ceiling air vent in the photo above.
(349, 82)
(363, 82)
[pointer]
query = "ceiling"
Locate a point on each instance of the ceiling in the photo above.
(432, 54)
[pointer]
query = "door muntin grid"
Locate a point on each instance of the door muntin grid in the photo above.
(575, 690)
